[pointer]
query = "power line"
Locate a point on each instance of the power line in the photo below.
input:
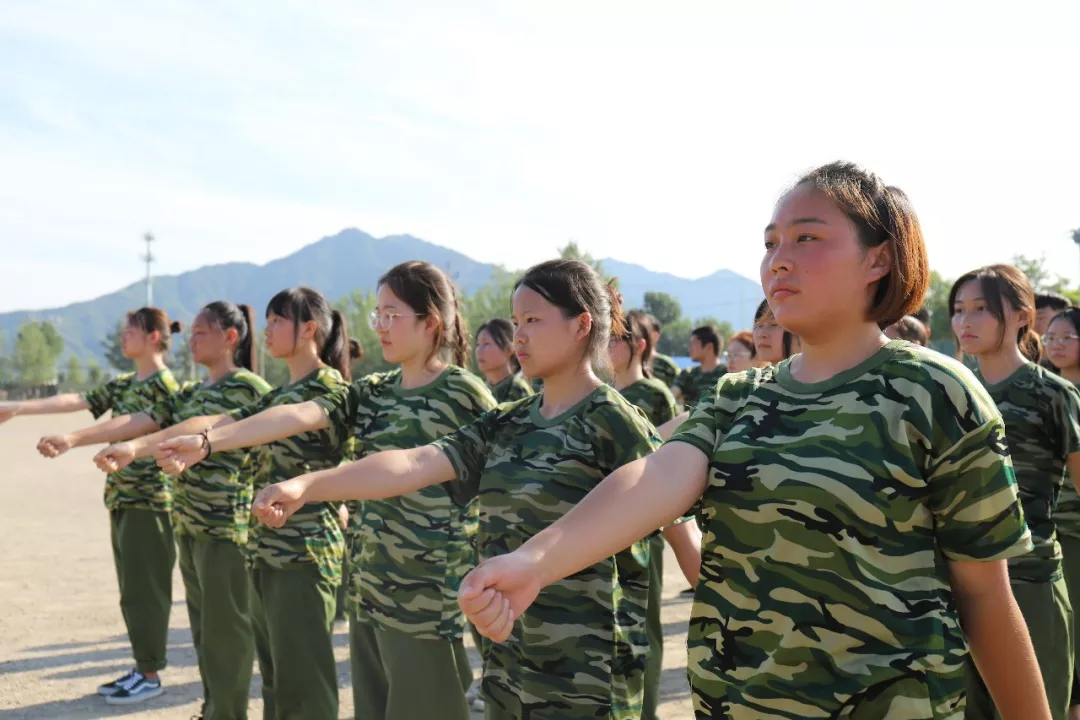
(149, 258)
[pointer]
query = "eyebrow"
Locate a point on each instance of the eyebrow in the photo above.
(798, 221)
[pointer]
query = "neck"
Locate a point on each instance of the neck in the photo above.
(147, 366)
(220, 369)
(419, 371)
(302, 364)
(566, 388)
(496, 376)
(827, 357)
(626, 377)
(1000, 364)
(709, 363)
(1072, 374)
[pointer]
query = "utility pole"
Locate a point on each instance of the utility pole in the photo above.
(148, 258)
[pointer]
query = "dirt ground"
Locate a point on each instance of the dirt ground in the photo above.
(61, 633)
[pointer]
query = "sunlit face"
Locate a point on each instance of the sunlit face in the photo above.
(135, 343)
(545, 340)
(209, 343)
(402, 333)
(769, 341)
(489, 356)
(1043, 317)
(1062, 344)
(282, 337)
(816, 275)
(697, 350)
(738, 357)
(977, 331)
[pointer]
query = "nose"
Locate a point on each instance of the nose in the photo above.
(780, 260)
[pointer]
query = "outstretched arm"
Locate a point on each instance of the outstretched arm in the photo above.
(382, 475)
(113, 430)
(630, 503)
(121, 454)
(69, 402)
(185, 449)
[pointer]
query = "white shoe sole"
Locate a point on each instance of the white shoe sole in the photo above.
(135, 699)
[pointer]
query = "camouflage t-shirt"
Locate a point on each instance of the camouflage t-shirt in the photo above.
(831, 513)
(665, 369)
(511, 388)
(579, 651)
(654, 399)
(139, 486)
(695, 382)
(1042, 426)
(313, 535)
(214, 497)
(409, 553)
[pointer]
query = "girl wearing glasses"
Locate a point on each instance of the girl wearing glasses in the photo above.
(138, 498)
(858, 499)
(409, 553)
(993, 311)
(740, 352)
(1062, 346)
(582, 651)
(496, 359)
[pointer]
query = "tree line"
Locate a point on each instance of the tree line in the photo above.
(31, 358)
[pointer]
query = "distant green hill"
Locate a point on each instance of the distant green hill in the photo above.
(339, 264)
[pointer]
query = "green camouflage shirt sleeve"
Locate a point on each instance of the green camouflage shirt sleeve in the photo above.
(100, 398)
(1067, 419)
(312, 535)
(664, 369)
(511, 389)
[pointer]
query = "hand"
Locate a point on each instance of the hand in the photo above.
(343, 516)
(177, 455)
(276, 503)
(52, 446)
(8, 410)
(115, 457)
(497, 592)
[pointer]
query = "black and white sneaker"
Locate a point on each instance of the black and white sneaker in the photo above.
(117, 684)
(139, 689)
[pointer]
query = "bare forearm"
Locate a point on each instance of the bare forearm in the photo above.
(668, 429)
(70, 402)
(276, 423)
(117, 429)
(630, 503)
(382, 475)
(1002, 650)
(144, 446)
(685, 542)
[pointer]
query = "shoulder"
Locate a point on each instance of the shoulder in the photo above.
(609, 409)
(245, 379)
(926, 374)
(459, 380)
(168, 381)
(328, 379)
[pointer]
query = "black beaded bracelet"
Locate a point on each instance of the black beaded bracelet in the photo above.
(206, 442)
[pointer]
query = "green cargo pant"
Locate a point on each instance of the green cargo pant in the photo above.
(145, 553)
(1070, 550)
(292, 612)
(1049, 618)
(398, 677)
(218, 600)
(654, 627)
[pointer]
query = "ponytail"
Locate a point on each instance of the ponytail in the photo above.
(1030, 344)
(176, 327)
(459, 343)
(150, 320)
(338, 350)
(638, 326)
(229, 316)
(245, 345)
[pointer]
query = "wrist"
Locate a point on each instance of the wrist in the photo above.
(74, 439)
(536, 553)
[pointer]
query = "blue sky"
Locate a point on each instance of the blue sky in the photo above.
(657, 133)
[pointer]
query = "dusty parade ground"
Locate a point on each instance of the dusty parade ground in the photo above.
(61, 633)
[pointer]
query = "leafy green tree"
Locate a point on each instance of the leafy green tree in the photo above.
(663, 307)
(1041, 277)
(5, 362)
(74, 378)
(95, 376)
(37, 348)
(114, 351)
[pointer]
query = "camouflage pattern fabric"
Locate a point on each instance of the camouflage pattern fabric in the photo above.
(653, 398)
(831, 512)
(139, 486)
(580, 649)
(313, 535)
(665, 369)
(511, 388)
(214, 497)
(1067, 514)
(1042, 426)
(694, 383)
(409, 553)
